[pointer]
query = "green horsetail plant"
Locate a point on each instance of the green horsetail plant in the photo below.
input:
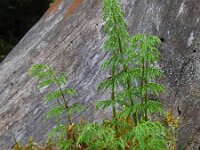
(142, 58)
(117, 41)
(144, 48)
(49, 77)
(137, 57)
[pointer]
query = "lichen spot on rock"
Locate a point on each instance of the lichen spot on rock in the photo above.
(181, 9)
(190, 39)
(73, 7)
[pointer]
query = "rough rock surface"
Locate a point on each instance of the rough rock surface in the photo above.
(69, 37)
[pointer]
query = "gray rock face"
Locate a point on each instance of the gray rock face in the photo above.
(70, 37)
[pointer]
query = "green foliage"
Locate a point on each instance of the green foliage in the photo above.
(143, 51)
(115, 27)
(137, 56)
(133, 71)
(104, 137)
(117, 41)
(59, 132)
(150, 135)
(55, 111)
(49, 77)
(133, 63)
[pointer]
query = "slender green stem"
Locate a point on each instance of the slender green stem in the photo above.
(146, 92)
(113, 90)
(63, 98)
(125, 68)
(113, 99)
(142, 85)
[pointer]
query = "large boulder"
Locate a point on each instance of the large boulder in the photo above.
(69, 37)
